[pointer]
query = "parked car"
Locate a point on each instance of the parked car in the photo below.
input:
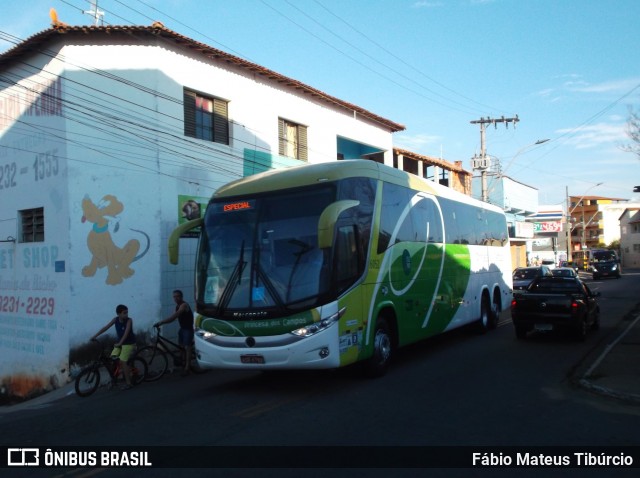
(550, 263)
(571, 264)
(552, 303)
(523, 276)
(564, 272)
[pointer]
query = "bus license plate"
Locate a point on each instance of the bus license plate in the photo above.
(543, 327)
(251, 359)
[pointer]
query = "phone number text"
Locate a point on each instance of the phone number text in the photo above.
(30, 305)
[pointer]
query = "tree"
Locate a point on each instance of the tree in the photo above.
(633, 131)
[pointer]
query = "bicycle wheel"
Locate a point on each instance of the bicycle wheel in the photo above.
(157, 362)
(88, 381)
(139, 370)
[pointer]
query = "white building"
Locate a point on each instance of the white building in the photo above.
(630, 236)
(609, 224)
(518, 201)
(109, 136)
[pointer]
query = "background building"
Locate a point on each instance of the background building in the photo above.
(518, 201)
(434, 169)
(630, 236)
(109, 138)
(595, 221)
(549, 241)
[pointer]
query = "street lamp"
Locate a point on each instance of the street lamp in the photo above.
(568, 218)
(485, 193)
(520, 151)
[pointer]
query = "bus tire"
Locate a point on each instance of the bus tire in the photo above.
(378, 364)
(484, 322)
(494, 316)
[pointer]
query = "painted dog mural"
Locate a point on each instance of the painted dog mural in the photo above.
(116, 259)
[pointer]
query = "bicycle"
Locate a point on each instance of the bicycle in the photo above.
(88, 380)
(155, 356)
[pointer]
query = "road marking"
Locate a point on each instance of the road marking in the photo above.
(263, 408)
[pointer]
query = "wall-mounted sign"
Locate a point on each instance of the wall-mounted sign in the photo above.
(189, 208)
(554, 226)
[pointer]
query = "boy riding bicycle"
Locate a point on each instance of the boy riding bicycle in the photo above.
(125, 346)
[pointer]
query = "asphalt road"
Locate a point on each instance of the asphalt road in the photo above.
(457, 389)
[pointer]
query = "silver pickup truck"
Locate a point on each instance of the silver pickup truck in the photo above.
(551, 303)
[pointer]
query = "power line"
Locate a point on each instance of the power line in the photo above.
(393, 55)
(395, 71)
(374, 71)
(138, 106)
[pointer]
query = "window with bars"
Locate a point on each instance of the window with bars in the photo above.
(206, 117)
(292, 140)
(32, 225)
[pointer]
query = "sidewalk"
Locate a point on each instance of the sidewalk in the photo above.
(616, 371)
(41, 401)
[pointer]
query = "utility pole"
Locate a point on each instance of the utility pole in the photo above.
(483, 163)
(567, 225)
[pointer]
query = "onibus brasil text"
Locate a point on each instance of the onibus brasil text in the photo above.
(94, 458)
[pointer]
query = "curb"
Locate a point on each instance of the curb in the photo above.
(588, 385)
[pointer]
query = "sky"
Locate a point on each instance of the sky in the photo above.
(569, 70)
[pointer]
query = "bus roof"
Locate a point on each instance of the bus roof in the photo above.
(310, 174)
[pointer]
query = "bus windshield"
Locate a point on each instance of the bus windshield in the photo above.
(259, 256)
(275, 253)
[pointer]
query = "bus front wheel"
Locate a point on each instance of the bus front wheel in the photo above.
(378, 364)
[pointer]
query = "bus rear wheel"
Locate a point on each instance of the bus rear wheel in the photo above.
(378, 364)
(488, 317)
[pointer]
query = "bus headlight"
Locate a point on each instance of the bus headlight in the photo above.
(204, 334)
(311, 329)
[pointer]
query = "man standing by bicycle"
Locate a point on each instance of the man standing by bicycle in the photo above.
(184, 314)
(126, 344)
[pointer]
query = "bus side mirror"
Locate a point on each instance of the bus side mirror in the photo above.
(328, 219)
(174, 238)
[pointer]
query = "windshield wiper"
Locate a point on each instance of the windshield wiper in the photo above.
(234, 280)
(270, 287)
(304, 249)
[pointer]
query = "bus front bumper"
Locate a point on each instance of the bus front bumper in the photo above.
(319, 351)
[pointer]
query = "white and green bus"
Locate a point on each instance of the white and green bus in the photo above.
(325, 265)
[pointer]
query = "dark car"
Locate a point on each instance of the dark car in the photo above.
(523, 276)
(556, 303)
(564, 272)
(605, 263)
(571, 264)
